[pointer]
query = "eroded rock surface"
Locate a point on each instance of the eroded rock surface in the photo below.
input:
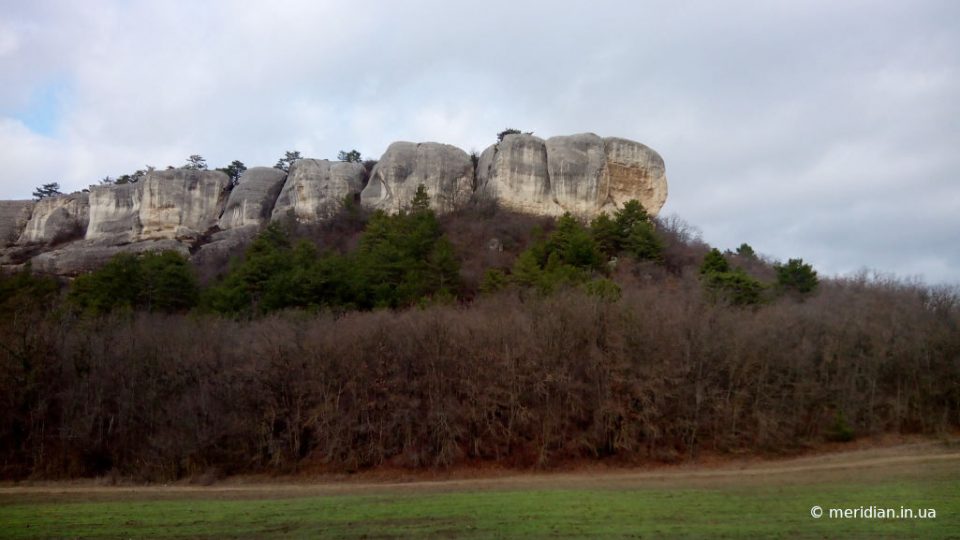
(575, 164)
(315, 189)
(634, 171)
(444, 170)
(114, 214)
(514, 173)
(14, 216)
(57, 219)
(81, 257)
(582, 174)
(192, 211)
(181, 203)
(251, 202)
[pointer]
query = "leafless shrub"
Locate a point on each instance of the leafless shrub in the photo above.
(525, 381)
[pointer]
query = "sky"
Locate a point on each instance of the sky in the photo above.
(823, 130)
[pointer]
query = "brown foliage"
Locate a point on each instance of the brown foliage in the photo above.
(520, 380)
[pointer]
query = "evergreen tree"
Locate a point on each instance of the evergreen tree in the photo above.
(714, 263)
(574, 245)
(725, 283)
(288, 159)
(526, 269)
(494, 279)
(628, 216)
(643, 242)
(196, 163)
(47, 190)
(734, 286)
(234, 170)
(421, 200)
(746, 251)
(162, 282)
(796, 276)
(352, 156)
(606, 234)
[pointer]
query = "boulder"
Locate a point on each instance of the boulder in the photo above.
(251, 202)
(114, 214)
(445, 170)
(224, 246)
(514, 173)
(14, 216)
(316, 188)
(80, 257)
(181, 203)
(575, 164)
(57, 219)
(582, 174)
(634, 171)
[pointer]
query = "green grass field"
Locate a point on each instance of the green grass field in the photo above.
(775, 506)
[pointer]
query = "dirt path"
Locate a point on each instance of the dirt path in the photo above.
(865, 464)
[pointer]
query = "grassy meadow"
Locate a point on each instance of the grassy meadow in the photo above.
(775, 505)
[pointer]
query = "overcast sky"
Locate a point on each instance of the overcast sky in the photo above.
(828, 130)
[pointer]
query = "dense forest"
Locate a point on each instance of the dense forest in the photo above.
(417, 340)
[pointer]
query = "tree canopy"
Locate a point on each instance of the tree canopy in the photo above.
(47, 190)
(353, 156)
(288, 159)
(796, 276)
(196, 162)
(401, 259)
(162, 282)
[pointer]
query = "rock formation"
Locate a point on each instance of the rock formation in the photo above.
(634, 171)
(195, 213)
(14, 216)
(83, 257)
(172, 204)
(57, 219)
(444, 170)
(251, 202)
(514, 173)
(316, 188)
(582, 174)
(114, 214)
(181, 203)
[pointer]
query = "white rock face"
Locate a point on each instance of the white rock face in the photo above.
(444, 170)
(514, 173)
(582, 174)
(180, 209)
(14, 216)
(114, 214)
(181, 203)
(252, 201)
(316, 188)
(172, 204)
(575, 164)
(57, 219)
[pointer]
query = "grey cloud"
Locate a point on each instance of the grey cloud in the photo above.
(821, 129)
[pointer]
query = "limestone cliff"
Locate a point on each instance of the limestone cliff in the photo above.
(444, 170)
(195, 212)
(316, 188)
(57, 219)
(181, 203)
(514, 173)
(114, 214)
(14, 216)
(252, 201)
(582, 174)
